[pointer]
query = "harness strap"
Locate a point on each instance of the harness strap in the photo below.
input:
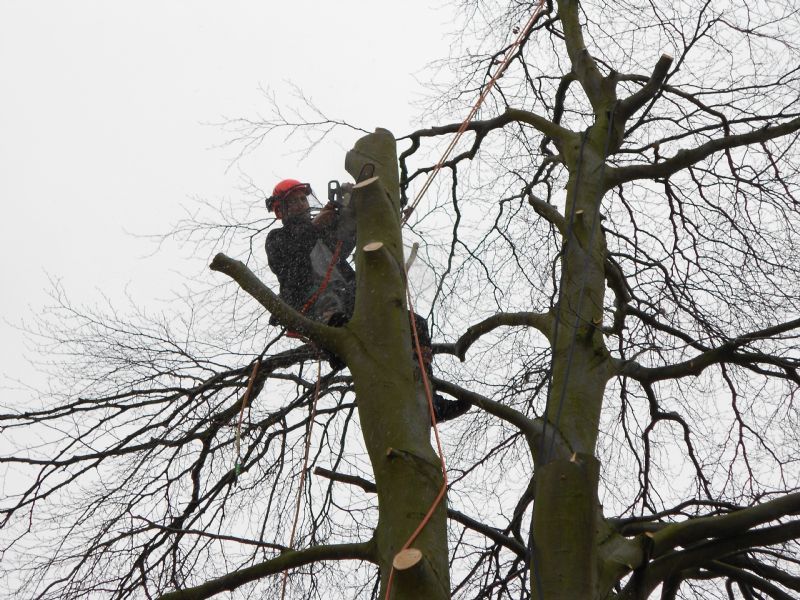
(325, 280)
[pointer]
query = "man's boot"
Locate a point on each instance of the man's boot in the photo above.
(443, 409)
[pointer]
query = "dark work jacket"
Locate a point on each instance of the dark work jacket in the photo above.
(300, 264)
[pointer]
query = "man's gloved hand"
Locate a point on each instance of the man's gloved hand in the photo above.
(326, 216)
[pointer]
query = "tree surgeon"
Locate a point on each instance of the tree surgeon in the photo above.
(309, 258)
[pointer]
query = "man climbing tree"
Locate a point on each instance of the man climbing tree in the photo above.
(309, 258)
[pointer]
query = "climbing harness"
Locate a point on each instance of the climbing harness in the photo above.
(325, 280)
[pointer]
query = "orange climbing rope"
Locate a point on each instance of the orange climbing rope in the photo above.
(407, 213)
(509, 55)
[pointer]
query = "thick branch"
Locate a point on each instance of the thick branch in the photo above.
(701, 553)
(622, 295)
(726, 352)
(364, 484)
(583, 65)
(533, 429)
(550, 213)
(766, 571)
(635, 101)
(329, 337)
(687, 158)
(540, 321)
(288, 560)
(694, 530)
(511, 115)
(747, 578)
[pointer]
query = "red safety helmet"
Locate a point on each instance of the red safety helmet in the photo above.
(284, 188)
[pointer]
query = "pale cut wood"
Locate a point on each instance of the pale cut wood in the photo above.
(405, 559)
(372, 246)
(366, 182)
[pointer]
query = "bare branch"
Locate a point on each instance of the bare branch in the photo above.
(727, 352)
(634, 102)
(687, 157)
(329, 337)
(539, 321)
(583, 65)
(291, 559)
(492, 533)
(724, 526)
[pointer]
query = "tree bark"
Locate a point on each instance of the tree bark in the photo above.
(565, 528)
(394, 419)
(565, 556)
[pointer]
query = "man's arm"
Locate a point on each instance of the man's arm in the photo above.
(276, 256)
(327, 217)
(286, 246)
(337, 225)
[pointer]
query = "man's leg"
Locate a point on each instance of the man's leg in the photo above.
(443, 409)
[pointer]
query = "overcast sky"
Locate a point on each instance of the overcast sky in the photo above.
(105, 124)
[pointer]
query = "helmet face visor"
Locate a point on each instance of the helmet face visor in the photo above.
(284, 195)
(304, 188)
(300, 187)
(313, 202)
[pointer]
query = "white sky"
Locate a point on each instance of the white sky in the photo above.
(104, 108)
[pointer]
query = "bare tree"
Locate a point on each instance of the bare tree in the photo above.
(612, 273)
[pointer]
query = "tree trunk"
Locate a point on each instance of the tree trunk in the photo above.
(395, 421)
(565, 559)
